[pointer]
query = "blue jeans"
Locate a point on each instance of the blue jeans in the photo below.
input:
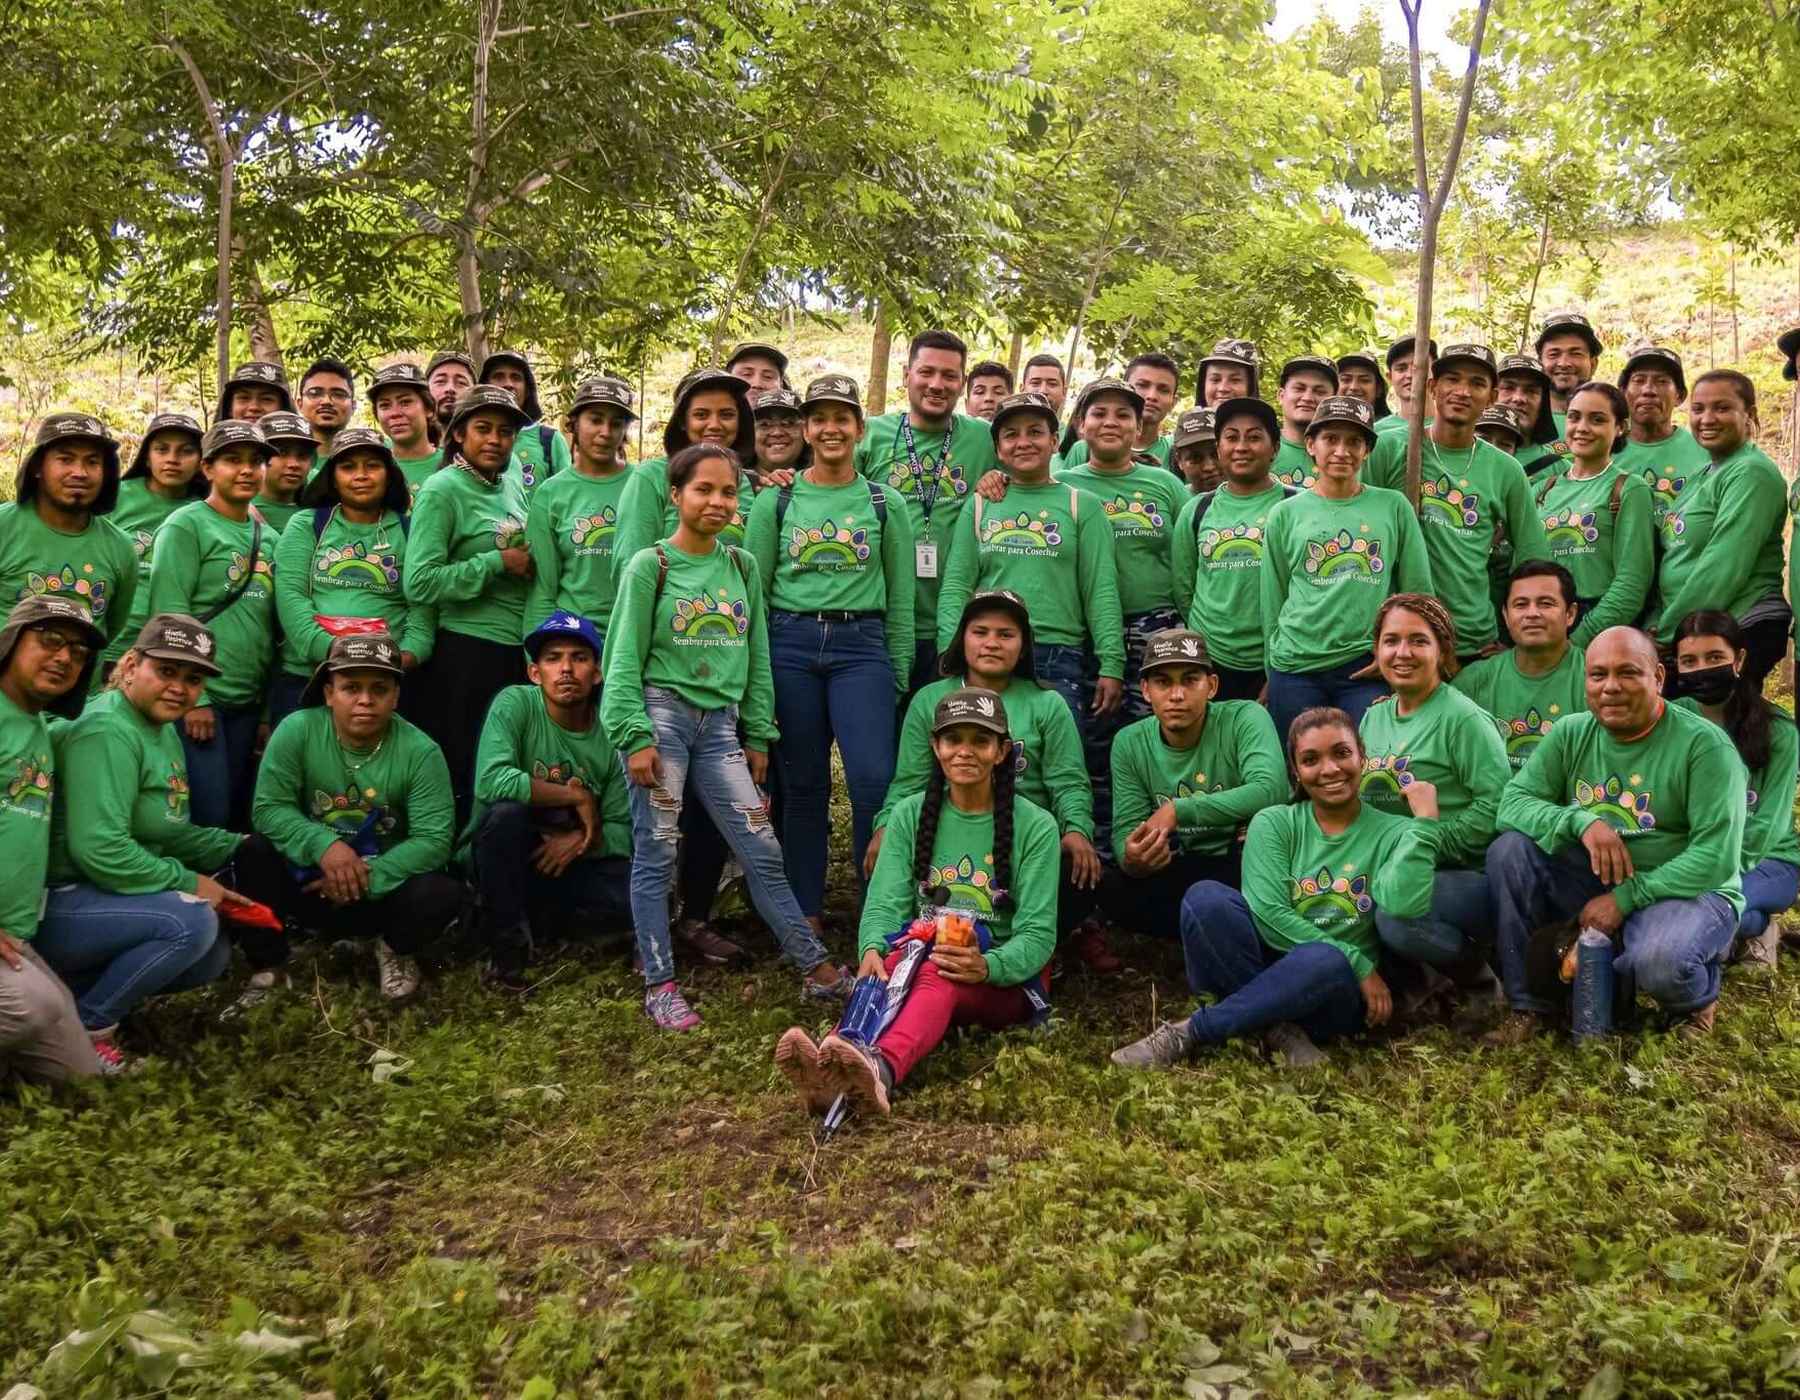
(1673, 947)
(925, 660)
(1770, 886)
(1312, 985)
(114, 950)
(1459, 926)
(1139, 629)
(1072, 672)
(1290, 692)
(220, 772)
(702, 745)
(832, 680)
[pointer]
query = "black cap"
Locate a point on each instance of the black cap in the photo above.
(603, 391)
(1264, 413)
(1324, 364)
(1500, 416)
(776, 401)
(360, 651)
(1015, 404)
(1788, 343)
(164, 423)
(1656, 357)
(402, 375)
(1563, 322)
(1404, 346)
(282, 426)
(757, 347)
(178, 637)
(832, 388)
(970, 704)
(1174, 646)
(1344, 408)
(485, 398)
(72, 427)
(231, 432)
(1524, 364)
(1196, 425)
(1466, 352)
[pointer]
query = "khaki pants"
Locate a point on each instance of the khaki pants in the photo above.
(41, 1036)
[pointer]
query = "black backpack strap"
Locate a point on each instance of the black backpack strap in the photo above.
(662, 572)
(1206, 501)
(877, 498)
(1548, 482)
(547, 444)
(256, 532)
(1618, 494)
(783, 500)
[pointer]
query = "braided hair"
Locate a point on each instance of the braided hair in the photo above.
(1437, 618)
(930, 890)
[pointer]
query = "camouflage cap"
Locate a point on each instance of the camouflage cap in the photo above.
(833, 388)
(1323, 364)
(351, 440)
(970, 704)
(1567, 322)
(282, 426)
(1107, 385)
(1404, 346)
(402, 375)
(484, 398)
(757, 347)
(603, 391)
(1344, 408)
(1174, 646)
(179, 637)
(257, 374)
(772, 401)
(1233, 352)
(1524, 364)
(1014, 404)
(231, 432)
(1469, 353)
(450, 357)
(1655, 357)
(182, 423)
(1500, 416)
(1196, 425)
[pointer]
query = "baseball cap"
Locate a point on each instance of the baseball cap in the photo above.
(970, 704)
(359, 651)
(1174, 646)
(179, 637)
(1343, 408)
(1196, 425)
(564, 625)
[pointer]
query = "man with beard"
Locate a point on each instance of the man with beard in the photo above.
(1569, 349)
(540, 451)
(448, 376)
(327, 401)
(1667, 457)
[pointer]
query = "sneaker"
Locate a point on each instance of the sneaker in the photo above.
(1092, 948)
(113, 1060)
(1516, 1029)
(258, 988)
(862, 1074)
(1164, 1048)
(1294, 1045)
(666, 1006)
(706, 945)
(811, 989)
(1698, 1025)
(798, 1058)
(1762, 952)
(399, 975)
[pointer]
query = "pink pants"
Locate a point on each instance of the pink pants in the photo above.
(935, 1004)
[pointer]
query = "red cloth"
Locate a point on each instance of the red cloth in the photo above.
(935, 1004)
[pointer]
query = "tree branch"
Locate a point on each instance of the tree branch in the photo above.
(524, 29)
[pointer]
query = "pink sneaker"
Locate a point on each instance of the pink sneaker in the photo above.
(113, 1061)
(666, 1006)
(798, 1058)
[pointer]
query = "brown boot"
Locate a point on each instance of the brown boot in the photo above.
(1699, 1024)
(1516, 1029)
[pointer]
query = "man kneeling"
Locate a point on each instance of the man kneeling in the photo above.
(1629, 818)
(357, 801)
(550, 839)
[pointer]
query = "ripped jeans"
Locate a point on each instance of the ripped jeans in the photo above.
(703, 745)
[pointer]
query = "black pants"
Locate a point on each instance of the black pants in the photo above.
(1766, 642)
(410, 919)
(592, 893)
(456, 687)
(1152, 904)
(1240, 685)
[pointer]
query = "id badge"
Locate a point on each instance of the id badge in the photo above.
(925, 558)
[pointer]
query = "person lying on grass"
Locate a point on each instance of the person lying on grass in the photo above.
(1293, 957)
(966, 844)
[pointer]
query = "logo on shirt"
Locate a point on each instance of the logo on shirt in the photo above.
(65, 581)
(175, 795)
(949, 478)
(240, 565)
(1617, 802)
(355, 566)
(1344, 554)
(1300, 478)
(1750, 799)
(1240, 546)
(830, 546)
(1664, 488)
(1136, 516)
(704, 618)
(1325, 901)
(1020, 534)
(1673, 527)
(967, 886)
(509, 533)
(588, 531)
(1448, 503)
(1572, 529)
(565, 771)
(30, 789)
(142, 541)
(1523, 733)
(1392, 773)
(1020, 762)
(345, 812)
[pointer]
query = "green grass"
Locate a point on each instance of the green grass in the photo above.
(553, 1200)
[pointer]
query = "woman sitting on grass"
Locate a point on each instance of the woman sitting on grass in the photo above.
(1293, 957)
(983, 853)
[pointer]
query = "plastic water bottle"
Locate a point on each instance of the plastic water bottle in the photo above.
(1592, 1013)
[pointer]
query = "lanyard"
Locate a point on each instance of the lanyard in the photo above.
(922, 471)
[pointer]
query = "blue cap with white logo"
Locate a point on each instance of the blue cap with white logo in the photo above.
(564, 626)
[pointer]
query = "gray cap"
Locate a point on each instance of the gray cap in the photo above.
(230, 432)
(1233, 352)
(1467, 352)
(485, 398)
(282, 426)
(970, 704)
(255, 374)
(776, 401)
(179, 637)
(603, 391)
(1196, 425)
(1344, 408)
(1504, 418)
(1564, 322)
(163, 423)
(403, 375)
(450, 357)
(36, 609)
(360, 651)
(1174, 646)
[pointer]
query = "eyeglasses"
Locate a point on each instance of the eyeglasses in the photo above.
(54, 642)
(335, 395)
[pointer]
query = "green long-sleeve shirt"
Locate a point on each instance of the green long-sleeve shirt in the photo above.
(351, 570)
(1613, 558)
(1722, 540)
(1142, 504)
(200, 556)
(536, 466)
(647, 512)
(97, 564)
(417, 470)
(572, 526)
(1677, 796)
(1524, 707)
(1327, 568)
(1048, 767)
(520, 742)
(1051, 545)
(834, 553)
(1769, 800)
(312, 790)
(27, 794)
(121, 819)
(1466, 493)
(275, 514)
(1450, 742)
(460, 524)
(1218, 571)
(706, 638)
(140, 513)
(1293, 466)
(1233, 772)
(1303, 886)
(962, 860)
(1077, 455)
(951, 461)
(1666, 465)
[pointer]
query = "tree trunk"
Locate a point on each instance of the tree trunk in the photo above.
(265, 342)
(1536, 273)
(468, 258)
(1015, 353)
(881, 346)
(1736, 350)
(222, 303)
(468, 288)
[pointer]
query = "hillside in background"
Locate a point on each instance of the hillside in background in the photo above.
(1669, 284)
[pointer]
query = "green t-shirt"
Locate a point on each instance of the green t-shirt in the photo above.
(1048, 766)
(140, 513)
(1218, 551)
(704, 636)
(571, 527)
(1233, 772)
(312, 790)
(1536, 459)
(1050, 544)
(97, 565)
(833, 552)
(1450, 742)
(201, 556)
(950, 462)
(1677, 796)
(1769, 798)
(1611, 556)
(1077, 455)
(537, 465)
(1141, 503)
(1303, 886)
(962, 861)
(1722, 540)
(1327, 568)
(460, 524)
(1466, 493)
(520, 741)
(276, 514)
(351, 570)
(122, 824)
(1666, 466)
(417, 470)
(26, 798)
(1392, 423)
(1294, 466)
(1524, 707)
(647, 513)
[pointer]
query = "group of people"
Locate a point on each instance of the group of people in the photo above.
(284, 676)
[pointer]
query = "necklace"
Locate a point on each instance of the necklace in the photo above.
(355, 767)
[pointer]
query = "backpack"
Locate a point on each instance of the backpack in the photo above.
(1612, 505)
(321, 517)
(1206, 500)
(662, 569)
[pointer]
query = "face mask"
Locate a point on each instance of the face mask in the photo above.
(1711, 685)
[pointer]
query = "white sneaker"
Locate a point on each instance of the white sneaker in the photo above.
(258, 988)
(399, 975)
